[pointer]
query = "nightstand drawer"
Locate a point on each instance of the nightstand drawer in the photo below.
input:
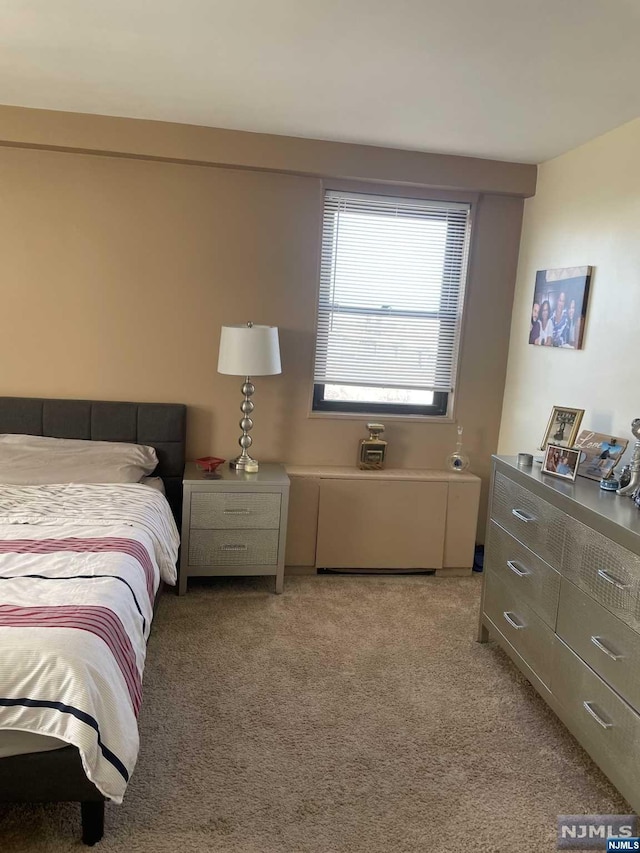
(609, 646)
(233, 548)
(235, 510)
(532, 520)
(605, 570)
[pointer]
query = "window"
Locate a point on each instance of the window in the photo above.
(391, 291)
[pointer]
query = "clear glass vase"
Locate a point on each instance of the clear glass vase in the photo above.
(458, 460)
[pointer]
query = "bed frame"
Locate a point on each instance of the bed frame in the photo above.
(58, 776)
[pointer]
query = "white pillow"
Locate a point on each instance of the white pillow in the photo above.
(36, 460)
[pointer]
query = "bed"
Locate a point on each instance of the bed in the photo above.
(58, 774)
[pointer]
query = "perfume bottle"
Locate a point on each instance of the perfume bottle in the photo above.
(372, 450)
(458, 460)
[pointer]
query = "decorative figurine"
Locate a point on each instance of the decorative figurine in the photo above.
(458, 460)
(372, 450)
(633, 486)
(625, 476)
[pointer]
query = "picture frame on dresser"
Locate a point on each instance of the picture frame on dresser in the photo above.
(561, 461)
(599, 454)
(563, 426)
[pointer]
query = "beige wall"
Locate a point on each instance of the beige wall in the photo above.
(119, 272)
(586, 211)
(125, 137)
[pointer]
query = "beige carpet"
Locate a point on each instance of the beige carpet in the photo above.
(349, 714)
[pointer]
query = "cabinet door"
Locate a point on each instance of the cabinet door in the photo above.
(303, 521)
(462, 520)
(377, 524)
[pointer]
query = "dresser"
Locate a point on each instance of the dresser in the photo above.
(234, 523)
(561, 596)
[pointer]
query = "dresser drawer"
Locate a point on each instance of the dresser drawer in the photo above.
(609, 646)
(531, 579)
(233, 547)
(235, 510)
(536, 523)
(608, 572)
(527, 633)
(603, 723)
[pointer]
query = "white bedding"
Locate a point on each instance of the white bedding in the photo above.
(79, 568)
(39, 459)
(154, 483)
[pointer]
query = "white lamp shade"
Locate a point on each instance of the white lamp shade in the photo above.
(249, 351)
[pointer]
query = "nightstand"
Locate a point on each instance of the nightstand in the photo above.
(234, 523)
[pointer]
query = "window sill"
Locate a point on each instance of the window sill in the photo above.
(368, 416)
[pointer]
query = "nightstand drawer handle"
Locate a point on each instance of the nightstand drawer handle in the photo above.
(610, 579)
(233, 547)
(522, 515)
(515, 568)
(509, 617)
(604, 723)
(597, 642)
(237, 512)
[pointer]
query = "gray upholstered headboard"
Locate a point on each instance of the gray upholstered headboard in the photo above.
(159, 425)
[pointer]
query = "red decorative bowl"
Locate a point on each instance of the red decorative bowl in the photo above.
(209, 463)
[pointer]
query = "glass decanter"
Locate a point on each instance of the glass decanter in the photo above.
(458, 460)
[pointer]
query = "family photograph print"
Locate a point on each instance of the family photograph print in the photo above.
(561, 461)
(559, 307)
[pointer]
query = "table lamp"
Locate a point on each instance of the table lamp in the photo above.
(248, 351)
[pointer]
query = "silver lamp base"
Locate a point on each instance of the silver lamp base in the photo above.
(244, 462)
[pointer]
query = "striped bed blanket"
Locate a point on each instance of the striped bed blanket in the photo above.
(79, 569)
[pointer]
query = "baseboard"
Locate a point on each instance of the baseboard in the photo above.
(359, 571)
(300, 570)
(450, 572)
(440, 573)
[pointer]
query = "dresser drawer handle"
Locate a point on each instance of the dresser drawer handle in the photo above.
(515, 568)
(509, 617)
(604, 723)
(522, 515)
(233, 547)
(237, 512)
(610, 579)
(597, 642)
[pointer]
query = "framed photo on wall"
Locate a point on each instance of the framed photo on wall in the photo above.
(559, 308)
(563, 427)
(599, 454)
(561, 461)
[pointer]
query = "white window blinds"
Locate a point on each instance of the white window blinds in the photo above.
(391, 291)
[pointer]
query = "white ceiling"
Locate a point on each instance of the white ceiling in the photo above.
(520, 80)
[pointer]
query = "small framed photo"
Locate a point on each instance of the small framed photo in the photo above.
(599, 454)
(561, 461)
(563, 427)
